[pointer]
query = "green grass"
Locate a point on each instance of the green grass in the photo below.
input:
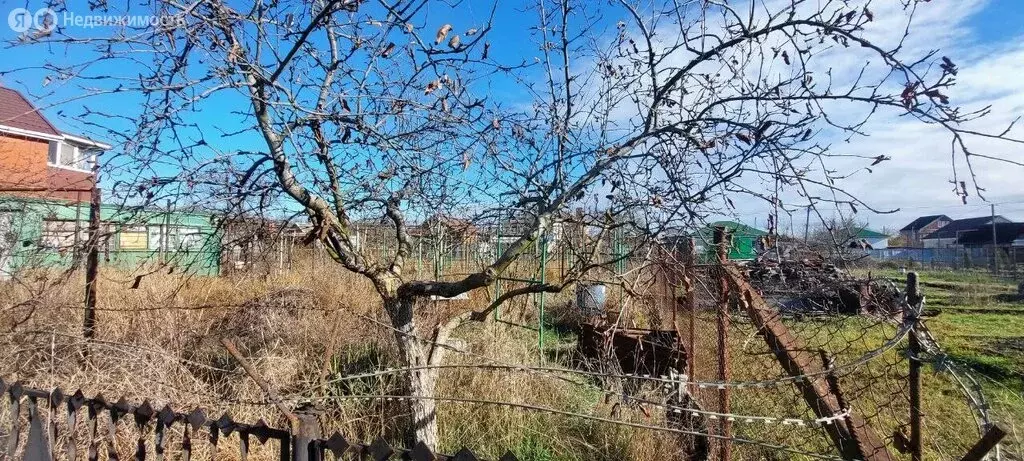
(980, 324)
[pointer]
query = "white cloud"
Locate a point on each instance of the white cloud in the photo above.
(917, 179)
(919, 174)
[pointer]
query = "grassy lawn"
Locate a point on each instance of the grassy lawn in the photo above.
(979, 323)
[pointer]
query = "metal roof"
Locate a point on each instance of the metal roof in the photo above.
(919, 223)
(959, 226)
(18, 112)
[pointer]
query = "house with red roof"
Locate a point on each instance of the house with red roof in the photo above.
(37, 159)
(46, 181)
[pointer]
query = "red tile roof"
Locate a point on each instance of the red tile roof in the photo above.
(18, 112)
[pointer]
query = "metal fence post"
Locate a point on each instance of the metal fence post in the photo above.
(721, 241)
(914, 300)
(497, 282)
(691, 305)
(305, 438)
(76, 256)
(543, 280)
(92, 269)
(983, 446)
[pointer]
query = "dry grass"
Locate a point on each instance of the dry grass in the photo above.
(304, 327)
(301, 329)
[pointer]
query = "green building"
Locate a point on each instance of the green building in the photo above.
(46, 233)
(744, 244)
(46, 178)
(876, 240)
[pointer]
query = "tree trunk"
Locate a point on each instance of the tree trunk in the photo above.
(421, 383)
(424, 416)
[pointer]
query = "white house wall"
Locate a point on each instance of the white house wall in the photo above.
(939, 243)
(879, 243)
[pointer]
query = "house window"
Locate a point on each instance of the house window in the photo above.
(173, 238)
(66, 155)
(133, 238)
(188, 238)
(54, 151)
(60, 234)
(156, 238)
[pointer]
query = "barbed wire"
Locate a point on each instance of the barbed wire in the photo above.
(129, 349)
(539, 408)
(904, 329)
(850, 333)
(115, 345)
(673, 408)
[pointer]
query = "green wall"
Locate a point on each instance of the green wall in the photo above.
(743, 244)
(25, 247)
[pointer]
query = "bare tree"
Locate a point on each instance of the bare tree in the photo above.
(838, 235)
(659, 114)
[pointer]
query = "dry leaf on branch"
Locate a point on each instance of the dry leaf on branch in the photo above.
(442, 33)
(434, 85)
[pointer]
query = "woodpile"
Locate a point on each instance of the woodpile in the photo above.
(809, 286)
(793, 275)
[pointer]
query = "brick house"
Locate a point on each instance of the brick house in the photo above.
(37, 159)
(914, 232)
(46, 180)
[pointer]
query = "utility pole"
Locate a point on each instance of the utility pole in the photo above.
(995, 248)
(807, 224)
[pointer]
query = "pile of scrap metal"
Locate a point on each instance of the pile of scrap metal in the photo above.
(635, 351)
(656, 353)
(809, 287)
(792, 274)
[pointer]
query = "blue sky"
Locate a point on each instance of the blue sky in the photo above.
(999, 21)
(983, 36)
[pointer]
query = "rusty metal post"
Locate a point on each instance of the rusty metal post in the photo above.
(92, 266)
(989, 441)
(691, 306)
(722, 250)
(911, 313)
(305, 438)
(853, 438)
(668, 290)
